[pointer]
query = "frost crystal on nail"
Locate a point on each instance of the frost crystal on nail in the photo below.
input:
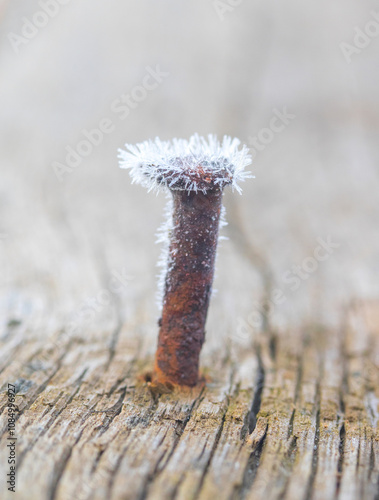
(164, 262)
(194, 165)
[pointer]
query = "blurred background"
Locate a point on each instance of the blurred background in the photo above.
(297, 82)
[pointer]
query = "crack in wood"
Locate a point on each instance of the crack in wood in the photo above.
(112, 413)
(214, 447)
(257, 398)
(39, 391)
(60, 468)
(251, 470)
(55, 415)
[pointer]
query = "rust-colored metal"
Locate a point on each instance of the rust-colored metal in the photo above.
(188, 286)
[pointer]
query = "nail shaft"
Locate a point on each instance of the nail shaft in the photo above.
(188, 285)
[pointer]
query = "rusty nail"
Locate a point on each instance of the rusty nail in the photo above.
(195, 173)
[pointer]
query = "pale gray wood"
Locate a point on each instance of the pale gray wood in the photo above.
(290, 407)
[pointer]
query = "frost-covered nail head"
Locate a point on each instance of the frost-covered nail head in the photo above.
(195, 165)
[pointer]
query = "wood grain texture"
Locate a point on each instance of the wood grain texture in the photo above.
(284, 414)
(295, 427)
(290, 406)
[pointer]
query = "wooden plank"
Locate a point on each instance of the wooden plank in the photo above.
(290, 410)
(304, 426)
(277, 406)
(326, 460)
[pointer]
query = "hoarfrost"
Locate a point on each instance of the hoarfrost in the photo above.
(196, 164)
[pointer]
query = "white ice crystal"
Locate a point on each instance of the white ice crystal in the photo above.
(164, 262)
(194, 165)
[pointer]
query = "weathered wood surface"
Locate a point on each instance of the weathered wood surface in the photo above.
(290, 409)
(294, 420)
